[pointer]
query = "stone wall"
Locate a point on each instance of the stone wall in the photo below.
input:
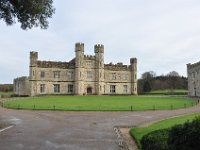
(193, 72)
(86, 73)
(22, 86)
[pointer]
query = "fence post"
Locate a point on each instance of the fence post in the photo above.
(54, 107)
(172, 107)
(131, 108)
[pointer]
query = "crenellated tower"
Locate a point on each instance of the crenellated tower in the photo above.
(79, 69)
(99, 71)
(133, 62)
(32, 72)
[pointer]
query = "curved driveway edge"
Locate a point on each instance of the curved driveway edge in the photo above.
(64, 130)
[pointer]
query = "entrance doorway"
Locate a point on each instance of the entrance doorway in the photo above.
(89, 91)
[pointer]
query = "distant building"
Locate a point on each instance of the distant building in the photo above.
(193, 72)
(83, 75)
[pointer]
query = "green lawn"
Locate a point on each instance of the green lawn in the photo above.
(101, 103)
(6, 93)
(138, 133)
(169, 91)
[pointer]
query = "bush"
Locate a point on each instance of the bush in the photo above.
(180, 137)
(186, 136)
(5, 96)
(156, 140)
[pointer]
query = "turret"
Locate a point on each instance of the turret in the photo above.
(79, 68)
(99, 72)
(33, 72)
(33, 58)
(99, 55)
(79, 50)
(133, 62)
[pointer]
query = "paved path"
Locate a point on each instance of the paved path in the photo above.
(64, 130)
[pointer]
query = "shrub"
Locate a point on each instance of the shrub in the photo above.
(156, 140)
(5, 96)
(186, 136)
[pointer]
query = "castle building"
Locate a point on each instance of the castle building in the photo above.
(193, 73)
(83, 75)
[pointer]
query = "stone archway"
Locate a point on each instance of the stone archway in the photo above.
(89, 90)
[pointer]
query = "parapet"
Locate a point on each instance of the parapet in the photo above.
(116, 67)
(23, 78)
(54, 64)
(33, 54)
(89, 57)
(99, 48)
(193, 65)
(79, 47)
(133, 60)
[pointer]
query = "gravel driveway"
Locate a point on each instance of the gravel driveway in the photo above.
(66, 130)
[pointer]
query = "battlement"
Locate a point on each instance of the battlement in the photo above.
(23, 78)
(90, 57)
(197, 64)
(79, 47)
(99, 48)
(54, 64)
(133, 60)
(33, 54)
(117, 67)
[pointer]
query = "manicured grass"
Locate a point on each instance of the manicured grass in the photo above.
(6, 93)
(169, 91)
(138, 133)
(101, 103)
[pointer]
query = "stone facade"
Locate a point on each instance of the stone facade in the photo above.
(83, 75)
(193, 73)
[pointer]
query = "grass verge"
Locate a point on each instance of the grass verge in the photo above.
(101, 103)
(138, 133)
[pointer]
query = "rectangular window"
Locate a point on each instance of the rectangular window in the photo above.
(42, 74)
(112, 89)
(89, 75)
(113, 76)
(56, 88)
(89, 63)
(42, 88)
(70, 75)
(70, 88)
(56, 74)
(125, 89)
(125, 76)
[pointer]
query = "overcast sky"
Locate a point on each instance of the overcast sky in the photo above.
(164, 35)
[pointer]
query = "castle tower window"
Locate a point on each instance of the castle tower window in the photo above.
(56, 88)
(112, 89)
(70, 88)
(42, 74)
(70, 75)
(56, 74)
(113, 76)
(125, 76)
(125, 89)
(42, 88)
(89, 74)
